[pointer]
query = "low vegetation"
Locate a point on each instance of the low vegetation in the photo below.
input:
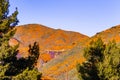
(102, 61)
(11, 66)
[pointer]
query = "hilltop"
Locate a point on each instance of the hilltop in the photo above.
(110, 34)
(27, 34)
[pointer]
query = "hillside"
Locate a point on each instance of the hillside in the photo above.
(57, 47)
(60, 50)
(48, 38)
(110, 34)
(107, 35)
(65, 65)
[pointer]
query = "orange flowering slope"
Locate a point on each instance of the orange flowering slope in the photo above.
(48, 38)
(60, 50)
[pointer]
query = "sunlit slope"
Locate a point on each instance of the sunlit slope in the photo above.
(66, 67)
(68, 43)
(48, 38)
(107, 35)
(62, 65)
(110, 34)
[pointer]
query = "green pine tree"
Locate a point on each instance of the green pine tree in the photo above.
(109, 69)
(12, 68)
(93, 54)
(29, 71)
(7, 23)
(33, 55)
(103, 62)
(28, 75)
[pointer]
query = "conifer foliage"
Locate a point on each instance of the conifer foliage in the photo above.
(12, 68)
(109, 68)
(33, 55)
(7, 23)
(29, 71)
(102, 62)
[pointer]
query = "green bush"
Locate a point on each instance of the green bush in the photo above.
(102, 62)
(28, 75)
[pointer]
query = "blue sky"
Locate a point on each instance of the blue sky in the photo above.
(85, 16)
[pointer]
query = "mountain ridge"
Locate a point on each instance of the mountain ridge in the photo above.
(60, 48)
(43, 33)
(48, 39)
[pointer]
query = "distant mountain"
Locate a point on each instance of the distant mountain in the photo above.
(60, 50)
